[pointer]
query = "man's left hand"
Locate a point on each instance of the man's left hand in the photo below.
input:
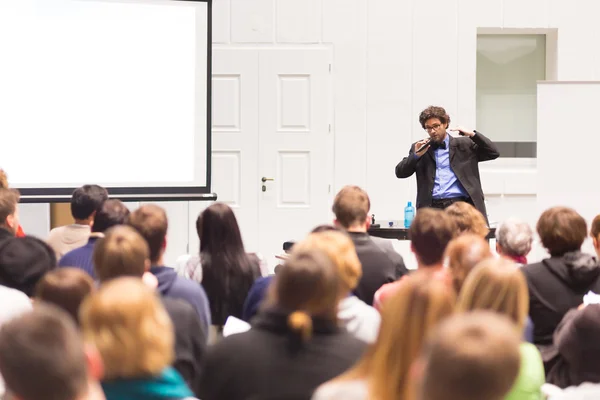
(463, 131)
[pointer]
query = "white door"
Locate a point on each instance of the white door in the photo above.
(234, 141)
(294, 117)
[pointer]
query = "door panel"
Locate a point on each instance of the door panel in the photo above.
(294, 132)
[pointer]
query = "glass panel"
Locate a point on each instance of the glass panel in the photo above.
(508, 68)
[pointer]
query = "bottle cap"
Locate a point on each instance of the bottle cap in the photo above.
(410, 203)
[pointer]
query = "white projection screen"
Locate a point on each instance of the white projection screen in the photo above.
(112, 92)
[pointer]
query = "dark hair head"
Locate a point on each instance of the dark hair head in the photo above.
(434, 112)
(227, 271)
(111, 213)
(86, 200)
(24, 261)
(429, 233)
(561, 230)
(65, 288)
(9, 198)
(151, 222)
(217, 227)
(44, 344)
(351, 206)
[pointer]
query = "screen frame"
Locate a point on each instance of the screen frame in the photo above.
(164, 193)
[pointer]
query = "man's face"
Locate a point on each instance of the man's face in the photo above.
(436, 130)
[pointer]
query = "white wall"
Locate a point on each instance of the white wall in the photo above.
(392, 58)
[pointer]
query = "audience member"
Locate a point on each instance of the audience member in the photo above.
(124, 253)
(408, 317)
(111, 213)
(151, 222)
(380, 265)
(43, 357)
(355, 315)
(23, 262)
(471, 356)
(468, 219)
(65, 288)
(463, 254)
(558, 283)
(430, 233)
(577, 341)
(223, 267)
(85, 201)
(514, 239)
(4, 185)
(498, 285)
(129, 326)
(595, 234)
(9, 213)
(295, 343)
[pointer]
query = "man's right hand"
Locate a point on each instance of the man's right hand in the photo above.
(420, 144)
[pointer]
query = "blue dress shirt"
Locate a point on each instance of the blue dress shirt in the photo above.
(446, 184)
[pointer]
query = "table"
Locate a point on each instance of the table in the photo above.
(402, 233)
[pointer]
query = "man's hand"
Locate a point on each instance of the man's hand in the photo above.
(462, 131)
(420, 144)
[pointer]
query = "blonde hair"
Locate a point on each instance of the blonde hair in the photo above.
(468, 219)
(307, 286)
(340, 250)
(121, 252)
(496, 285)
(417, 307)
(463, 254)
(126, 321)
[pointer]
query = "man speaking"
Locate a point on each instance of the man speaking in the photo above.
(447, 167)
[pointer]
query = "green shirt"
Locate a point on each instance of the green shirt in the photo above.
(531, 375)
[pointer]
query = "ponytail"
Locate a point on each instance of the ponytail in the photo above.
(301, 323)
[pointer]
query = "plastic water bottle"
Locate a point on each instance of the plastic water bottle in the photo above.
(409, 214)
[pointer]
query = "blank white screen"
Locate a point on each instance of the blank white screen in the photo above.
(108, 92)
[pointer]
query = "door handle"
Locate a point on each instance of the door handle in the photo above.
(264, 179)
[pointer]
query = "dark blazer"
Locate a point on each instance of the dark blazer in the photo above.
(190, 341)
(269, 362)
(379, 266)
(465, 155)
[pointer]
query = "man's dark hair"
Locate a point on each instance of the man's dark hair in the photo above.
(434, 112)
(561, 230)
(86, 200)
(113, 212)
(44, 344)
(429, 233)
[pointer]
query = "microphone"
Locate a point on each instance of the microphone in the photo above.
(427, 143)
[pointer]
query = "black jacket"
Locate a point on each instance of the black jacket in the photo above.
(556, 285)
(576, 339)
(269, 362)
(465, 155)
(378, 266)
(190, 341)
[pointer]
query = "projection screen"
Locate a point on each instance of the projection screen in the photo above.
(113, 92)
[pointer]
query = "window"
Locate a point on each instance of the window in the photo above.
(508, 68)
